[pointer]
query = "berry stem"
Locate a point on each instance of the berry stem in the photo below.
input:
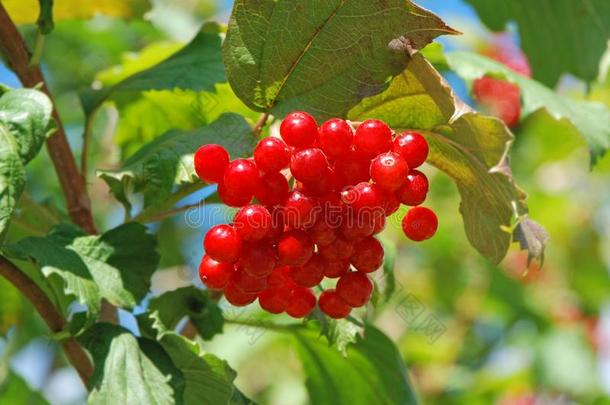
(254, 323)
(260, 124)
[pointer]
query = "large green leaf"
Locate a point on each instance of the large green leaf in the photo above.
(558, 36)
(591, 119)
(171, 307)
(373, 371)
(129, 370)
(24, 121)
(168, 160)
(321, 56)
(469, 147)
(116, 266)
(198, 66)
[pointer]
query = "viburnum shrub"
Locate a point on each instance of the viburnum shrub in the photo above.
(310, 205)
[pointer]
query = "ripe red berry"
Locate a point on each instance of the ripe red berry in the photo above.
(273, 189)
(309, 165)
(354, 289)
(241, 176)
(247, 283)
(364, 200)
(210, 162)
(300, 302)
(271, 155)
(274, 300)
(279, 277)
(258, 259)
(358, 227)
(391, 204)
(222, 243)
(252, 223)
(379, 224)
(372, 138)
(412, 146)
(420, 224)
(213, 274)
(332, 305)
(322, 233)
(300, 210)
(336, 137)
(295, 247)
(414, 192)
(237, 297)
(500, 98)
(233, 198)
(310, 274)
(389, 170)
(352, 169)
(299, 129)
(338, 250)
(335, 268)
(368, 255)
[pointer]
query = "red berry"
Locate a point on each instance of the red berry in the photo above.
(355, 228)
(336, 137)
(300, 302)
(420, 224)
(299, 129)
(222, 243)
(372, 138)
(271, 155)
(389, 170)
(237, 297)
(274, 300)
(295, 247)
(338, 250)
(500, 98)
(300, 210)
(248, 283)
(364, 200)
(241, 176)
(368, 255)
(414, 192)
(310, 274)
(354, 289)
(233, 198)
(309, 165)
(335, 268)
(391, 204)
(253, 223)
(273, 189)
(379, 224)
(322, 233)
(258, 260)
(352, 169)
(213, 274)
(332, 305)
(412, 146)
(210, 163)
(279, 277)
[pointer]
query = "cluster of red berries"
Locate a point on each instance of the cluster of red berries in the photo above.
(316, 219)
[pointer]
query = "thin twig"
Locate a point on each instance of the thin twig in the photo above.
(53, 318)
(260, 124)
(73, 184)
(85, 151)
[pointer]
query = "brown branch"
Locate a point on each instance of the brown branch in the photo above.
(53, 318)
(260, 124)
(72, 183)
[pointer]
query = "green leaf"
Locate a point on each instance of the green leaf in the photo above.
(469, 147)
(190, 302)
(591, 119)
(129, 370)
(198, 66)
(14, 390)
(571, 39)
(117, 265)
(373, 371)
(389, 279)
(11, 306)
(281, 55)
(24, 121)
(168, 160)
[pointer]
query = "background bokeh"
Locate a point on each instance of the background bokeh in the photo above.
(507, 335)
